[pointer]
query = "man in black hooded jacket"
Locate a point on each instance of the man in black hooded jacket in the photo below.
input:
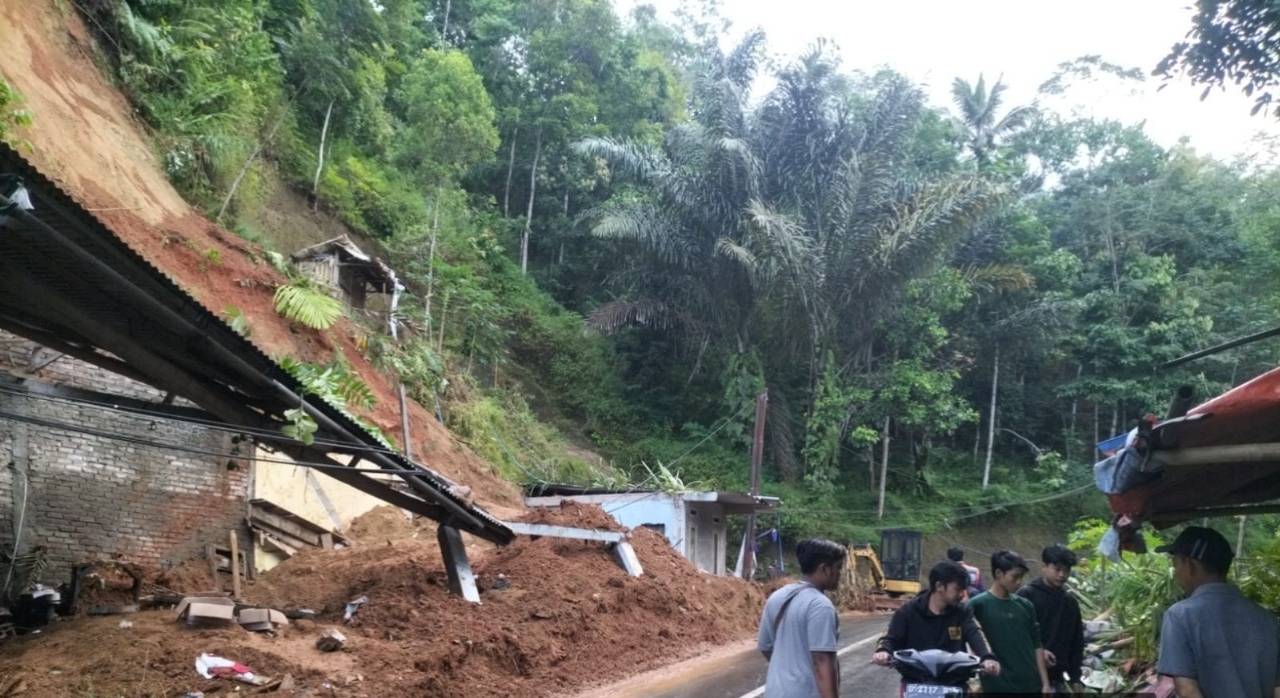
(937, 619)
(1058, 614)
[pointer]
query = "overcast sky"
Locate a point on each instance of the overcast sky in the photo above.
(934, 41)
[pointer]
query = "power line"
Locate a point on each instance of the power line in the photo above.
(982, 509)
(196, 421)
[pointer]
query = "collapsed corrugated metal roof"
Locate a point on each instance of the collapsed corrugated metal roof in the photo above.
(69, 282)
(1220, 458)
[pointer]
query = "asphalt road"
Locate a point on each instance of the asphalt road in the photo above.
(741, 674)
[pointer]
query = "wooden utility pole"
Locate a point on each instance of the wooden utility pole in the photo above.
(235, 565)
(757, 454)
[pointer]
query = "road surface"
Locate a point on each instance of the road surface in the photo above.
(740, 675)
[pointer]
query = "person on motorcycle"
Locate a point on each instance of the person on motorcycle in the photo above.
(799, 628)
(1061, 623)
(1009, 623)
(975, 587)
(937, 619)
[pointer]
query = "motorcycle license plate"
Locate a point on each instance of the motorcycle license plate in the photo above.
(920, 690)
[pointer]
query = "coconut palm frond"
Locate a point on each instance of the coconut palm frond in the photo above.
(733, 251)
(994, 278)
(780, 427)
(617, 315)
(635, 160)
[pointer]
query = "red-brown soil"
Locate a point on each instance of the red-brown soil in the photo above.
(556, 616)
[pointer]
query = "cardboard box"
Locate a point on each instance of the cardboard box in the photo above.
(207, 610)
(261, 619)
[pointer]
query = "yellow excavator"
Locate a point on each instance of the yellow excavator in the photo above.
(893, 575)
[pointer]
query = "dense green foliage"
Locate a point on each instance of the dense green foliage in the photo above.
(609, 242)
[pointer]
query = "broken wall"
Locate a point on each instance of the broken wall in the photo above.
(313, 496)
(90, 496)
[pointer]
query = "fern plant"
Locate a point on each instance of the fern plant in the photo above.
(12, 115)
(303, 302)
(337, 385)
(236, 318)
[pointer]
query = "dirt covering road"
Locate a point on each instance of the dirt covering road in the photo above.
(556, 617)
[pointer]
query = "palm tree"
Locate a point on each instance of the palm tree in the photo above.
(781, 233)
(980, 129)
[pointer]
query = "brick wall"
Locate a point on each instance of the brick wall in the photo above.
(93, 497)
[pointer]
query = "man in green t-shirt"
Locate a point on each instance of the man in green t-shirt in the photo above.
(1009, 622)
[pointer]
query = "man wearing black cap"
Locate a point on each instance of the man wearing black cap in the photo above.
(1216, 643)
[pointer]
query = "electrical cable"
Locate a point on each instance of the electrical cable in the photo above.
(195, 421)
(152, 443)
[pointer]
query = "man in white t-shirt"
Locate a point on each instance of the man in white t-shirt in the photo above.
(799, 628)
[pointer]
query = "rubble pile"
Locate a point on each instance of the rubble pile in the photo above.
(556, 616)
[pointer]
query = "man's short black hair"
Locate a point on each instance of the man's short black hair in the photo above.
(1060, 555)
(948, 572)
(815, 552)
(955, 554)
(1006, 560)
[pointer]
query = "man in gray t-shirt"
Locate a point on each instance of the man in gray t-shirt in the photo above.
(799, 627)
(1216, 643)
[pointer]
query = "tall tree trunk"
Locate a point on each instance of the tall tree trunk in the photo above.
(226, 201)
(884, 466)
(315, 184)
(528, 216)
(560, 257)
(448, 7)
(1096, 435)
(1240, 537)
(431, 264)
(511, 166)
(991, 419)
(1115, 418)
(444, 310)
(1075, 408)
(871, 468)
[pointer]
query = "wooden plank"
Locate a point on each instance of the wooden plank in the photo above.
(258, 516)
(211, 552)
(270, 542)
(282, 537)
(235, 565)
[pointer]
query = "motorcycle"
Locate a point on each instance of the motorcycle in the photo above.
(933, 673)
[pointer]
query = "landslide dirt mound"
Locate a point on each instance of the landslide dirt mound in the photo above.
(85, 138)
(556, 616)
(388, 523)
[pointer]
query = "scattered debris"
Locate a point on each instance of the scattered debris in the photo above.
(207, 610)
(211, 666)
(455, 649)
(331, 640)
(125, 625)
(261, 619)
(112, 610)
(353, 606)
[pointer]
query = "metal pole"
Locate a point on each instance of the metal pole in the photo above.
(757, 453)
